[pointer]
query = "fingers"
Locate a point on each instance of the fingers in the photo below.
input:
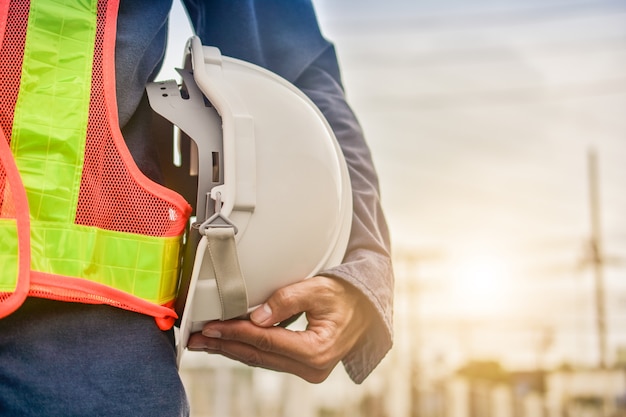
(251, 356)
(336, 316)
(304, 346)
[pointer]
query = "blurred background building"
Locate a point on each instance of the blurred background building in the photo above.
(499, 132)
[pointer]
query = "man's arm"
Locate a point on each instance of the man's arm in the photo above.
(351, 316)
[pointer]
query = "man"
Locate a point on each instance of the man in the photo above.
(60, 358)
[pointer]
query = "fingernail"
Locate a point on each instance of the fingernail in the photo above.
(194, 344)
(261, 314)
(212, 333)
(205, 346)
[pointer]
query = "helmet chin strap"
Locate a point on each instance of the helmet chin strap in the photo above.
(231, 286)
(216, 264)
(222, 250)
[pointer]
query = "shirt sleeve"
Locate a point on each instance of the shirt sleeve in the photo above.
(284, 37)
(367, 264)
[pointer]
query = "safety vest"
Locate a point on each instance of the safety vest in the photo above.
(78, 220)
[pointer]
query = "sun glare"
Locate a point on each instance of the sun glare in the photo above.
(481, 284)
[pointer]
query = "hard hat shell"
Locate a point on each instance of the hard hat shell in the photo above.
(283, 183)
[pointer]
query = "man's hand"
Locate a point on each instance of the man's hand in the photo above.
(337, 316)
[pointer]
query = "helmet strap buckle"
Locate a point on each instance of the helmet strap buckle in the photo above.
(218, 219)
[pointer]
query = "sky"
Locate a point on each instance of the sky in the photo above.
(480, 117)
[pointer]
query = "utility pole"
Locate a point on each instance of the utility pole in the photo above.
(597, 256)
(411, 260)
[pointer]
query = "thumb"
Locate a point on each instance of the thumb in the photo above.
(262, 316)
(282, 305)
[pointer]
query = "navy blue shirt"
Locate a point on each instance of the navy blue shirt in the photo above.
(64, 359)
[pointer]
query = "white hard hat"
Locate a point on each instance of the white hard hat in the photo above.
(280, 205)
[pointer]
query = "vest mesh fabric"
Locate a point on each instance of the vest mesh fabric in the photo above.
(11, 46)
(109, 196)
(11, 52)
(7, 211)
